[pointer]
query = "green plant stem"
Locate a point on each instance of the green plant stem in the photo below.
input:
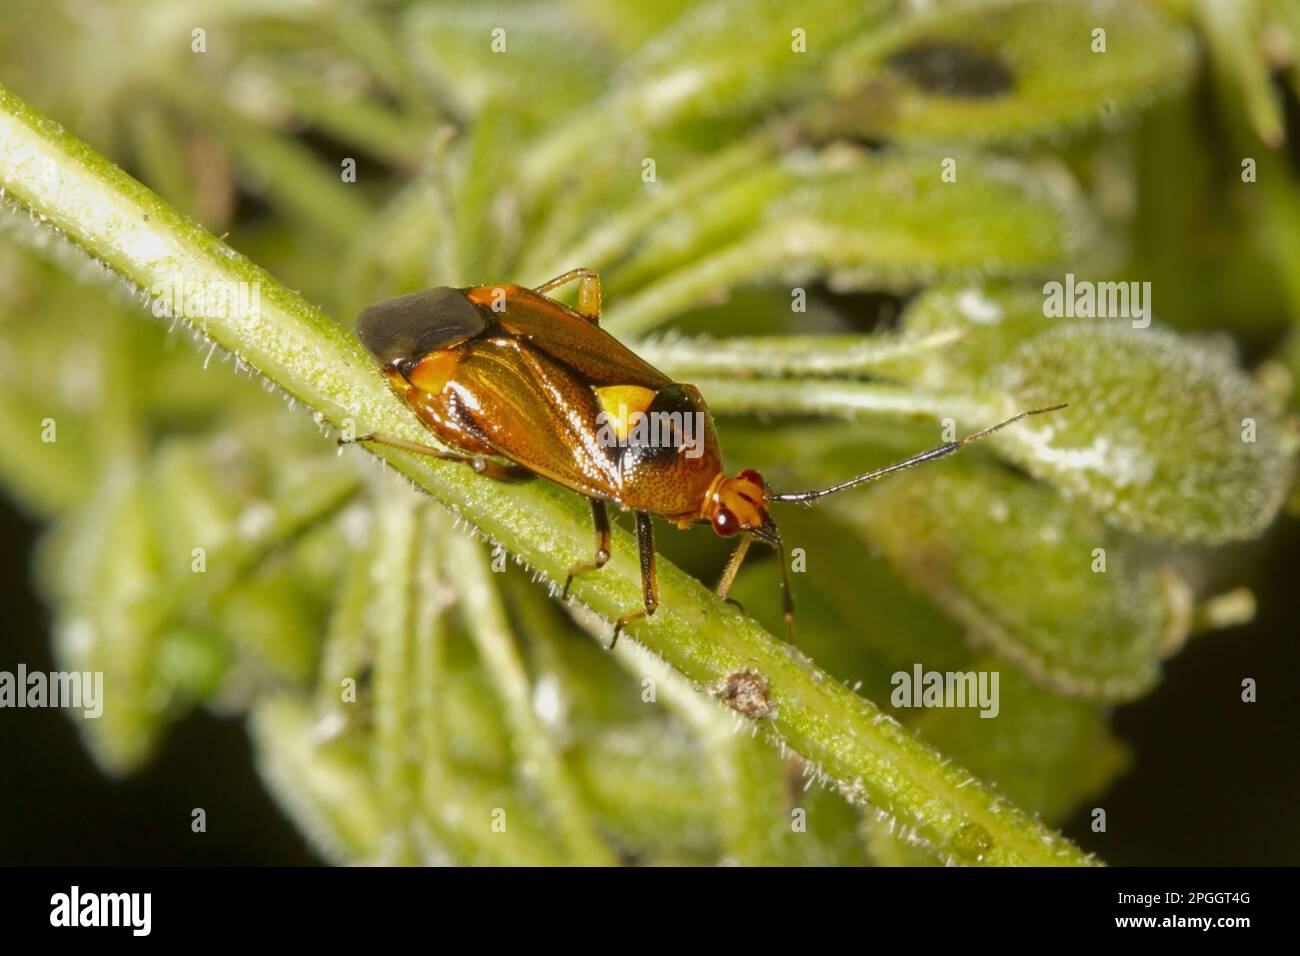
(306, 505)
(746, 798)
(790, 247)
(441, 793)
(698, 282)
(57, 179)
(640, 781)
(324, 786)
(1233, 29)
(844, 399)
(455, 804)
(486, 621)
(392, 609)
(785, 355)
(602, 245)
(345, 648)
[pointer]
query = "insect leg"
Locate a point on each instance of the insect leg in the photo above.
(729, 572)
(600, 517)
(588, 292)
(481, 465)
(645, 540)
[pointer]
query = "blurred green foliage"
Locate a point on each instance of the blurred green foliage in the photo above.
(401, 693)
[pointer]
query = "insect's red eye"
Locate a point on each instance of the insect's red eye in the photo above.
(725, 523)
(753, 477)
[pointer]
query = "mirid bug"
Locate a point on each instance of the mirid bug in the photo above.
(520, 385)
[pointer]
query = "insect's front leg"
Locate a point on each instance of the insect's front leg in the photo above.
(482, 466)
(729, 572)
(645, 540)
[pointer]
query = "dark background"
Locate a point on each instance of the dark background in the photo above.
(1214, 781)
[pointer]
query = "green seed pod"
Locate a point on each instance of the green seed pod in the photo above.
(1046, 586)
(1163, 437)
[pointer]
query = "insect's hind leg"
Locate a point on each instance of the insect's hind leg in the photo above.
(588, 292)
(600, 518)
(481, 465)
(645, 540)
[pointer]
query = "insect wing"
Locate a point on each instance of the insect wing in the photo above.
(536, 412)
(411, 326)
(568, 338)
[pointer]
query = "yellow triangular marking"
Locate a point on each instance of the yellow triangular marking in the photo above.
(622, 403)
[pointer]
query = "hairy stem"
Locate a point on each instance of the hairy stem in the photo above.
(786, 355)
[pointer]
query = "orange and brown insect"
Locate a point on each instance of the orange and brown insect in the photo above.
(521, 385)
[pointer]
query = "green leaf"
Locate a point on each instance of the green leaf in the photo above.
(322, 784)
(104, 567)
(733, 58)
(1003, 70)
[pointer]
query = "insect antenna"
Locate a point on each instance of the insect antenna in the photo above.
(947, 448)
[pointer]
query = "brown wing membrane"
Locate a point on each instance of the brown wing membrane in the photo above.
(568, 338)
(534, 411)
(411, 326)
